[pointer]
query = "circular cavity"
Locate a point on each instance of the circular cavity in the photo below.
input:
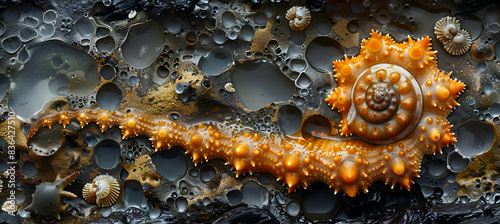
(29, 169)
(191, 37)
(234, 197)
(143, 44)
(11, 44)
(247, 32)
(319, 202)
(107, 72)
(173, 26)
(303, 81)
(437, 169)
(85, 27)
(171, 163)
(254, 193)
(219, 37)
(473, 138)
(193, 172)
(217, 61)
(29, 21)
(289, 119)
(228, 19)
(46, 29)
(107, 154)
(292, 208)
(316, 126)
(106, 44)
(27, 33)
(133, 195)
(232, 35)
(323, 25)
(181, 204)
(456, 162)
(162, 71)
(260, 18)
(109, 97)
(353, 26)
(133, 80)
(49, 16)
(89, 139)
(298, 64)
(322, 51)
(382, 111)
(260, 82)
(102, 32)
(207, 173)
(211, 24)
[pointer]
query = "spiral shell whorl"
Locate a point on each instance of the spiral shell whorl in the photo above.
(299, 17)
(387, 104)
(104, 191)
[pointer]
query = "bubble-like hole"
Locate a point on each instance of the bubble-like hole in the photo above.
(143, 44)
(107, 72)
(289, 119)
(11, 44)
(456, 162)
(473, 138)
(107, 154)
(207, 173)
(320, 202)
(109, 97)
(260, 82)
(228, 19)
(437, 169)
(234, 197)
(106, 44)
(49, 16)
(322, 51)
(215, 62)
(171, 163)
(29, 169)
(316, 126)
(254, 193)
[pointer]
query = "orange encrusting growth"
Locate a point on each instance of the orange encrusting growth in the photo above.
(349, 165)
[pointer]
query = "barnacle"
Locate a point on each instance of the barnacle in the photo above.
(104, 191)
(299, 17)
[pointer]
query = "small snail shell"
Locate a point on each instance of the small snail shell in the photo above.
(104, 191)
(299, 17)
(446, 28)
(387, 104)
(459, 44)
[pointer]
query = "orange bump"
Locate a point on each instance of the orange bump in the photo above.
(162, 133)
(196, 140)
(404, 88)
(104, 117)
(381, 74)
(416, 53)
(341, 99)
(131, 123)
(408, 103)
(398, 167)
(349, 172)
(346, 70)
(434, 135)
(374, 45)
(292, 162)
(241, 149)
(442, 93)
(394, 77)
